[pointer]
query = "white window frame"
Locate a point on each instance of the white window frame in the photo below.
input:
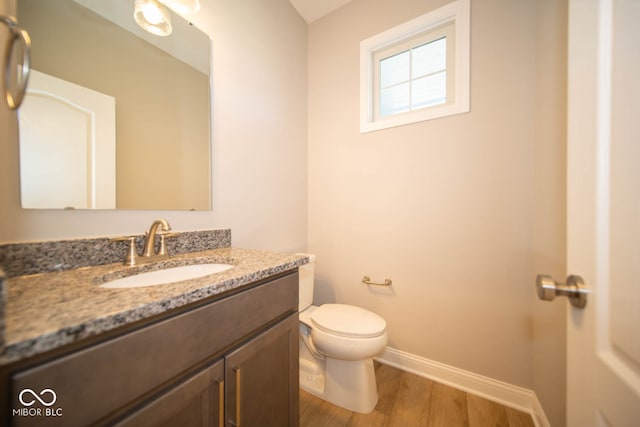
(457, 12)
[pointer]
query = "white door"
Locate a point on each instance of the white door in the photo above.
(67, 146)
(603, 202)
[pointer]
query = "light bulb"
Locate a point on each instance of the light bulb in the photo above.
(153, 17)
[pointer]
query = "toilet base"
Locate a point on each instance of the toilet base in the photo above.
(348, 384)
(352, 384)
(312, 378)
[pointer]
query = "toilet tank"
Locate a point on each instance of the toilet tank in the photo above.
(305, 283)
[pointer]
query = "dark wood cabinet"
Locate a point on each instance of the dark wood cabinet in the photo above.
(198, 401)
(255, 385)
(264, 370)
(233, 361)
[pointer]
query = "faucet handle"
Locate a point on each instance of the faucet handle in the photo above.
(163, 243)
(132, 254)
(168, 233)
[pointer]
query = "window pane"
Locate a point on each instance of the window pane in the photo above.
(394, 100)
(430, 90)
(429, 58)
(394, 69)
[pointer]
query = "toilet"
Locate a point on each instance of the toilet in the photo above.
(337, 346)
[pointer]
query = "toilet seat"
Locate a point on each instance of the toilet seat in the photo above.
(348, 321)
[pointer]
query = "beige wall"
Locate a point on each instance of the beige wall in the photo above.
(259, 140)
(460, 212)
(549, 204)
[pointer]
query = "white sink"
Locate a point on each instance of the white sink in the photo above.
(167, 275)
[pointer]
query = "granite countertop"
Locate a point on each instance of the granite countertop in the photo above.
(49, 310)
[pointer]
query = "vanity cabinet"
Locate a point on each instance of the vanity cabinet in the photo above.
(259, 379)
(232, 361)
(198, 401)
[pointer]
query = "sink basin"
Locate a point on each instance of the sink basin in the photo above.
(167, 275)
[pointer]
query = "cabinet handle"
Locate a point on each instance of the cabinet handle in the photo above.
(221, 403)
(238, 394)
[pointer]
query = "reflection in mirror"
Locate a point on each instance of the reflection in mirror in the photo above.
(114, 117)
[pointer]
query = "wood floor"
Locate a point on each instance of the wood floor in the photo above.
(407, 400)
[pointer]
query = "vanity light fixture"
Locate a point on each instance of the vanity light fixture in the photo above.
(153, 17)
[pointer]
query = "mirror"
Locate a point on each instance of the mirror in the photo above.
(114, 117)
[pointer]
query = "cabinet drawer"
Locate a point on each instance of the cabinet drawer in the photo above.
(92, 383)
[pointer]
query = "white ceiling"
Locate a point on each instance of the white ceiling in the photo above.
(311, 10)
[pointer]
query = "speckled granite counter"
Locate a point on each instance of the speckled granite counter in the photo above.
(21, 259)
(48, 310)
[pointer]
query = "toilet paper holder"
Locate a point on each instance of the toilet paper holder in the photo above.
(367, 281)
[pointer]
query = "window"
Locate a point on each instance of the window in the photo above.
(416, 71)
(413, 75)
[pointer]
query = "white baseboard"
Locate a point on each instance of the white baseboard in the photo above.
(506, 394)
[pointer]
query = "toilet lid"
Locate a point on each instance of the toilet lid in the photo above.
(348, 320)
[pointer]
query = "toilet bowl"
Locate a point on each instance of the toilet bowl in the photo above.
(337, 346)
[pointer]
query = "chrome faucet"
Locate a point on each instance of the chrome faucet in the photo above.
(150, 238)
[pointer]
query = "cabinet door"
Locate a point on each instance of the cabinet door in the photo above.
(262, 379)
(196, 402)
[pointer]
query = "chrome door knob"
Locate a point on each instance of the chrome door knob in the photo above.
(574, 289)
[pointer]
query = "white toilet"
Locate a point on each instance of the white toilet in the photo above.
(337, 346)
